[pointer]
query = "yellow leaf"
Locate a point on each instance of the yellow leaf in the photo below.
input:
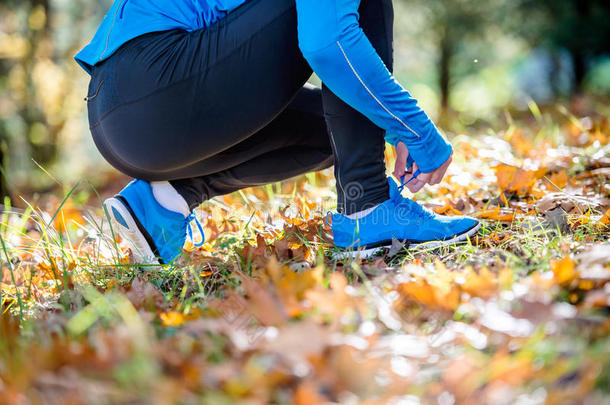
(505, 278)
(564, 270)
(236, 388)
(172, 318)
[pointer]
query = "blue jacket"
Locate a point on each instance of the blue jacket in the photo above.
(331, 40)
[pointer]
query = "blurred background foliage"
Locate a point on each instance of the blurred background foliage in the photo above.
(472, 64)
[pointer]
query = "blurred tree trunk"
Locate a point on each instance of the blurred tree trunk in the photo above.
(37, 36)
(580, 70)
(444, 74)
(579, 61)
(555, 76)
(4, 138)
(4, 189)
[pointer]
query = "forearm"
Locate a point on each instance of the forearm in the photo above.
(342, 56)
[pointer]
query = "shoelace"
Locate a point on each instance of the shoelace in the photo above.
(192, 217)
(403, 184)
(413, 207)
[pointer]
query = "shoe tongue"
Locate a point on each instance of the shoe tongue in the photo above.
(397, 198)
(394, 191)
(414, 206)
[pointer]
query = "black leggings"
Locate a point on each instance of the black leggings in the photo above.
(227, 107)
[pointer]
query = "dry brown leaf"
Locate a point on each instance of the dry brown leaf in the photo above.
(257, 254)
(570, 203)
(594, 263)
(516, 180)
(262, 304)
(144, 295)
(295, 342)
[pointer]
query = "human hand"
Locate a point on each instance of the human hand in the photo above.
(413, 181)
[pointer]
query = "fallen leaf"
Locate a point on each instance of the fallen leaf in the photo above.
(484, 284)
(144, 295)
(172, 318)
(495, 214)
(517, 180)
(594, 263)
(570, 203)
(262, 304)
(564, 270)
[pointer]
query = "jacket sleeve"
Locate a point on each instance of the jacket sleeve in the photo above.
(337, 49)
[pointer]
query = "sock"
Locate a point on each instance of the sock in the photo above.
(362, 214)
(167, 196)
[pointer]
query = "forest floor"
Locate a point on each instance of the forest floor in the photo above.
(263, 314)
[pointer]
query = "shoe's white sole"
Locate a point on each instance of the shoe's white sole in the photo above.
(366, 253)
(125, 225)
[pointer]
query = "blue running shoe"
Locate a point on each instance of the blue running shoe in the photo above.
(398, 218)
(155, 234)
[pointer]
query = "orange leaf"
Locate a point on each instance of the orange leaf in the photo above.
(307, 394)
(429, 295)
(517, 180)
(605, 219)
(564, 270)
(172, 319)
(483, 284)
(495, 215)
(559, 179)
(447, 209)
(519, 142)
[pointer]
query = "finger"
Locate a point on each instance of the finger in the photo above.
(399, 167)
(402, 155)
(408, 177)
(439, 174)
(425, 177)
(413, 186)
(416, 185)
